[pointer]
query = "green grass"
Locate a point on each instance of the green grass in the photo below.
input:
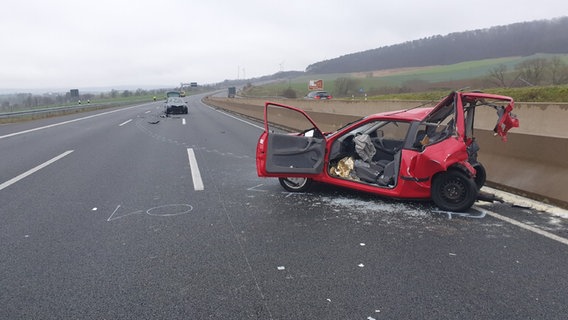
(527, 94)
(450, 77)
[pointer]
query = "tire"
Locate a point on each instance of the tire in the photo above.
(480, 175)
(453, 191)
(295, 184)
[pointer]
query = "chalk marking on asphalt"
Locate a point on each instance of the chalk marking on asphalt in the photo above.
(195, 174)
(33, 170)
(255, 188)
(64, 122)
(178, 209)
(527, 227)
(125, 122)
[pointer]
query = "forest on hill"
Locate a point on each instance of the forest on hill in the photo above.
(546, 36)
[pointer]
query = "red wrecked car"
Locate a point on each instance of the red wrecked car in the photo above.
(418, 153)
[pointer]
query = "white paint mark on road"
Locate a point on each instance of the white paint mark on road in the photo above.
(65, 122)
(31, 171)
(195, 174)
(148, 111)
(529, 203)
(125, 122)
(255, 188)
(237, 118)
(112, 217)
(168, 210)
(183, 121)
(527, 227)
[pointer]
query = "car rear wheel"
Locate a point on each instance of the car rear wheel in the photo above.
(295, 184)
(454, 191)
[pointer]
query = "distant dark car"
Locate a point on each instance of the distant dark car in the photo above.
(318, 95)
(176, 105)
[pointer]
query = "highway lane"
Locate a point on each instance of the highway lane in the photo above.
(117, 229)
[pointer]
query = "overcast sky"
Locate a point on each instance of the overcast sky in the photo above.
(142, 43)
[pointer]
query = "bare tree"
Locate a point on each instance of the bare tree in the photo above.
(532, 71)
(344, 86)
(558, 71)
(497, 75)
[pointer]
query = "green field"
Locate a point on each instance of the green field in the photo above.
(420, 83)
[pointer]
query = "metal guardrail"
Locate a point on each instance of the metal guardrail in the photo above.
(47, 112)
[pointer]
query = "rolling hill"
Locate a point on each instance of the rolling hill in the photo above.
(546, 36)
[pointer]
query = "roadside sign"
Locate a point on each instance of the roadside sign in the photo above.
(315, 85)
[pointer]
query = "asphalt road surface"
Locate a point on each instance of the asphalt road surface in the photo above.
(123, 214)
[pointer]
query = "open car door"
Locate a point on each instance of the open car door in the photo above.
(502, 104)
(291, 144)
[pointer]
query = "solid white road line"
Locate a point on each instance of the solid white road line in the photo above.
(236, 118)
(195, 174)
(125, 122)
(527, 227)
(31, 171)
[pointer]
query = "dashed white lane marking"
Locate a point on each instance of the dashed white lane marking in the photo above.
(195, 174)
(183, 121)
(65, 122)
(125, 122)
(31, 171)
(148, 111)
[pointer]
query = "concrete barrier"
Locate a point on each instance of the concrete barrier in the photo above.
(533, 163)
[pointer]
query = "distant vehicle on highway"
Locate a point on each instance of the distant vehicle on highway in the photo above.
(318, 95)
(419, 153)
(173, 94)
(232, 92)
(176, 105)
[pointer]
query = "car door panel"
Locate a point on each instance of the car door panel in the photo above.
(294, 154)
(291, 143)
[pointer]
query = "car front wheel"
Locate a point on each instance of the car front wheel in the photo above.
(454, 191)
(295, 184)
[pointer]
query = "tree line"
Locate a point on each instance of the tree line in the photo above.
(532, 72)
(25, 101)
(518, 39)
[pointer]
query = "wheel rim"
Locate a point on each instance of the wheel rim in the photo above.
(454, 191)
(295, 183)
